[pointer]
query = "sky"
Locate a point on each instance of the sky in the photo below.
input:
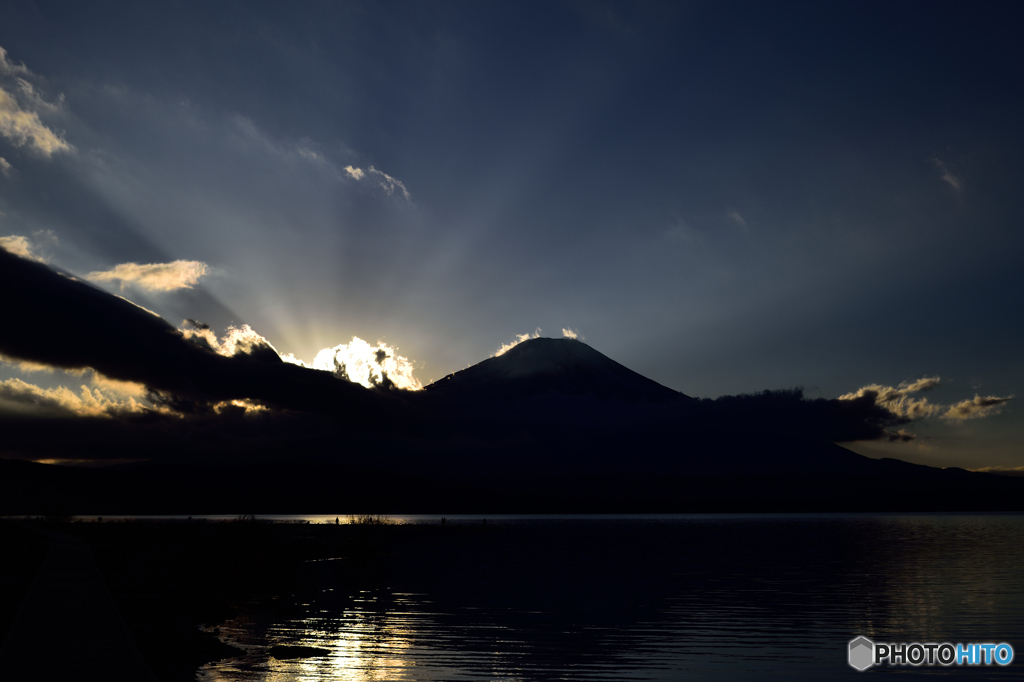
(724, 197)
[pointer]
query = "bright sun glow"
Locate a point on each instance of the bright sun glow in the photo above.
(364, 364)
(355, 361)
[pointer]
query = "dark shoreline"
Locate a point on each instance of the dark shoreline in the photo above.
(324, 487)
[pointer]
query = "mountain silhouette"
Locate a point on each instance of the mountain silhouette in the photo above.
(552, 425)
(545, 366)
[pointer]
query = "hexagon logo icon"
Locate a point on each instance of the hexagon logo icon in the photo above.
(862, 653)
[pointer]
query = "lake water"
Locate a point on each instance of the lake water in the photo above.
(666, 597)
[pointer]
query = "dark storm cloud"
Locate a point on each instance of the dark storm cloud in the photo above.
(788, 413)
(60, 321)
(204, 435)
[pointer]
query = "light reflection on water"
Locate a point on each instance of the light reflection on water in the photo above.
(646, 598)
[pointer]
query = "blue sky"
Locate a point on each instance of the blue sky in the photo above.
(724, 197)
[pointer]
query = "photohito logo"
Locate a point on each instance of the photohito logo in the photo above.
(863, 653)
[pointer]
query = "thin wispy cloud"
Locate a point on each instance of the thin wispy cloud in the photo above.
(388, 183)
(680, 231)
(305, 149)
(735, 216)
(948, 176)
(975, 408)
(5, 167)
(9, 68)
(34, 100)
(289, 151)
(1003, 471)
(155, 277)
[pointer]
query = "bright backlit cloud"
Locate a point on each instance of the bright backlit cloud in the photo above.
(367, 365)
(899, 399)
(356, 361)
(88, 402)
(355, 173)
(241, 340)
(127, 389)
(19, 246)
(235, 340)
(901, 402)
(19, 111)
(506, 347)
(179, 274)
(570, 333)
